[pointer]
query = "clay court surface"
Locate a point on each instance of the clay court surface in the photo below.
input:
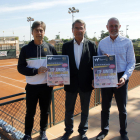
(11, 82)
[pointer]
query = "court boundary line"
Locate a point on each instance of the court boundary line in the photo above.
(8, 65)
(11, 85)
(12, 79)
(10, 68)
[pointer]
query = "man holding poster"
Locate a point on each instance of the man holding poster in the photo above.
(123, 49)
(80, 52)
(105, 71)
(32, 64)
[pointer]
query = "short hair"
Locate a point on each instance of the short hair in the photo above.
(38, 23)
(113, 18)
(78, 21)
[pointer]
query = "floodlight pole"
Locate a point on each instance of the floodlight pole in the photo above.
(126, 29)
(73, 10)
(29, 19)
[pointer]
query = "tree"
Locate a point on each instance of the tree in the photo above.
(134, 40)
(46, 39)
(138, 39)
(26, 42)
(85, 35)
(16, 38)
(103, 34)
(127, 36)
(135, 45)
(94, 39)
(65, 40)
(57, 37)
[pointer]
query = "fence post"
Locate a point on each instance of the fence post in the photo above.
(97, 96)
(53, 107)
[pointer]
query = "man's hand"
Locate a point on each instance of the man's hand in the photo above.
(42, 70)
(121, 82)
(106, 54)
(93, 83)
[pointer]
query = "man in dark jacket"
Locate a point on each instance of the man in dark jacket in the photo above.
(80, 52)
(32, 64)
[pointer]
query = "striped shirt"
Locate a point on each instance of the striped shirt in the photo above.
(122, 47)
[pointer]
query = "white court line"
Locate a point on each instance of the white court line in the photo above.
(12, 85)
(11, 68)
(8, 65)
(12, 79)
(7, 62)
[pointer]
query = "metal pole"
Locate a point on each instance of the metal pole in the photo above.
(73, 10)
(72, 21)
(72, 18)
(29, 19)
(126, 30)
(30, 30)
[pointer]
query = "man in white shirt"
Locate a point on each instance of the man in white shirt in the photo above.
(80, 52)
(122, 47)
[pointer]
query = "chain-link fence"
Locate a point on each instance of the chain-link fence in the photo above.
(12, 117)
(59, 103)
(12, 113)
(134, 80)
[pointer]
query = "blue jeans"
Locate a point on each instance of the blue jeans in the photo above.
(121, 100)
(69, 107)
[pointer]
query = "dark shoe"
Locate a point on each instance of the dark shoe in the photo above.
(124, 137)
(83, 137)
(43, 135)
(27, 137)
(65, 136)
(101, 135)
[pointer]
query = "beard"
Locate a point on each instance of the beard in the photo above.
(114, 34)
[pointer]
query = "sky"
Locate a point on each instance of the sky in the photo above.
(95, 13)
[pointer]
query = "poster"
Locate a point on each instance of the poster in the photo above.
(105, 71)
(58, 72)
(3, 53)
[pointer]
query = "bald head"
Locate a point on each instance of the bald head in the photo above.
(113, 18)
(113, 27)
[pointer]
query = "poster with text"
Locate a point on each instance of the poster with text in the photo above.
(58, 72)
(105, 71)
(3, 53)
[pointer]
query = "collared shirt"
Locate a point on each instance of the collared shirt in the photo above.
(78, 52)
(122, 47)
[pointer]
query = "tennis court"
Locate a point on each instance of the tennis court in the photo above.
(11, 81)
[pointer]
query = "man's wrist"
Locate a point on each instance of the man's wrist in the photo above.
(123, 78)
(35, 71)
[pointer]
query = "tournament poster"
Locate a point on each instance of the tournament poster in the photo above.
(105, 71)
(58, 72)
(3, 53)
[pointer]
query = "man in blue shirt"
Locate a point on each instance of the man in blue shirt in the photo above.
(125, 60)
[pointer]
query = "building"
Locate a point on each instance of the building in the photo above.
(57, 43)
(9, 47)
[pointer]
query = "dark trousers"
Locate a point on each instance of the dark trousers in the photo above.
(69, 107)
(33, 94)
(121, 100)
